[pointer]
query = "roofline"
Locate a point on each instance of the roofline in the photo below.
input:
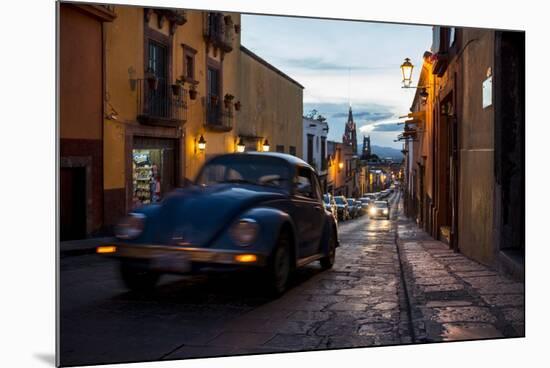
(265, 63)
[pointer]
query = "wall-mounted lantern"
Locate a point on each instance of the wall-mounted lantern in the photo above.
(406, 70)
(201, 143)
(340, 165)
(240, 145)
(265, 146)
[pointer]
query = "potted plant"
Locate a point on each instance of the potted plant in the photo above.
(228, 100)
(152, 79)
(237, 105)
(237, 28)
(193, 91)
(178, 86)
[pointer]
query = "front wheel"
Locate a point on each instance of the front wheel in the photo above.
(328, 261)
(137, 277)
(279, 268)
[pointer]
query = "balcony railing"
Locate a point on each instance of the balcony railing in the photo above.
(218, 116)
(161, 103)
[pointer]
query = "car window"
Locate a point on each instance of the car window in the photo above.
(302, 183)
(316, 186)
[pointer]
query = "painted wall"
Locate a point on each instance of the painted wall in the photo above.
(476, 125)
(80, 108)
(80, 74)
(272, 106)
(317, 130)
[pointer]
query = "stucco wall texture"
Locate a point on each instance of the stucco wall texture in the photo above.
(476, 129)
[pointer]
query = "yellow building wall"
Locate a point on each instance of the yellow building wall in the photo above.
(123, 62)
(124, 40)
(272, 106)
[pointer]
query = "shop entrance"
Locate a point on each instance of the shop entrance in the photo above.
(153, 169)
(72, 209)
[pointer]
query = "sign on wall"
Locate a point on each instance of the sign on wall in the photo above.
(488, 92)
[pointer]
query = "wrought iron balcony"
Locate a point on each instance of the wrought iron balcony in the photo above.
(161, 103)
(219, 117)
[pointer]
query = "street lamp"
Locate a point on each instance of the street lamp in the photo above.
(266, 146)
(406, 70)
(240, 145)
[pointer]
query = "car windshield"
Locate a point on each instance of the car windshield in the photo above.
(351, 202)
(381, 204)
(339, 200)
(364, 200)
(326, 198)
(245, 169)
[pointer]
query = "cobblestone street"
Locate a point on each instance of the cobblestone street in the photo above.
(386, 271)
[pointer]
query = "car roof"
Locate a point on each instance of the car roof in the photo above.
(291, 159)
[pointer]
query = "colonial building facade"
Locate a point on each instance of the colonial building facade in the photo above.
(147, 95)
(464, 150)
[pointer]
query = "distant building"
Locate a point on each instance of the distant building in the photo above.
(315, 133)
(366, 153)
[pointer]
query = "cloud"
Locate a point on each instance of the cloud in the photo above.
(384, 126)
(317, 63)
(366, 115)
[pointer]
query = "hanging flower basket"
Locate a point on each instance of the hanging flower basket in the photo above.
(152, 80)
(193, 93)
(237, 105)
(176, 89)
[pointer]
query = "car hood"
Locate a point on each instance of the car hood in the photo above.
(197, 215)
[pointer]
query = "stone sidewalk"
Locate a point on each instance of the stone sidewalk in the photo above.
(453, 297)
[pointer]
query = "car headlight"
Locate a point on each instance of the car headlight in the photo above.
(385, 212)
(131, 226)
(244, 231)
(372, 211)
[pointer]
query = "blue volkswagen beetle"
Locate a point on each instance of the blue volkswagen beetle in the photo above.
(251, 210)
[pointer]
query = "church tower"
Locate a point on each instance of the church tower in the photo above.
(350, 134)
(366, 148)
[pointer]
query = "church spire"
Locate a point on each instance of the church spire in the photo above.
(350, 134)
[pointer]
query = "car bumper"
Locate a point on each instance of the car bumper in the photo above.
(188, 259)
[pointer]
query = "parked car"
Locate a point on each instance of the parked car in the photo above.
(342, 207)
(354, 208)
(260, 211)
(330, 204)
(379, 209)
(359, 207)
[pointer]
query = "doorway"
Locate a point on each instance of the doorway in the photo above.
(72, 211)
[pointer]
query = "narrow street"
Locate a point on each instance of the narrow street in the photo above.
(362, 301)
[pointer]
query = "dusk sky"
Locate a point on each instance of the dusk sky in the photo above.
(343, 62)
